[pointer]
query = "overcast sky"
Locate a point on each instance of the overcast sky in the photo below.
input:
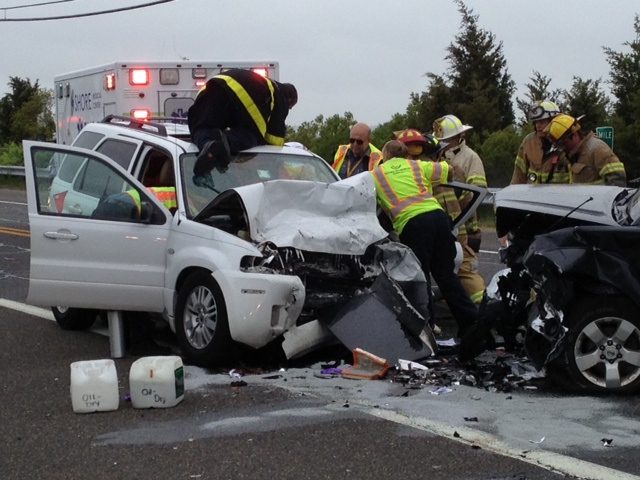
(360, 56)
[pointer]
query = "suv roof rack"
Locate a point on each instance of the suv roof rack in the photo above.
(136, 124)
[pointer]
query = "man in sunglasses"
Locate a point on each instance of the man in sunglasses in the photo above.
(359, 156)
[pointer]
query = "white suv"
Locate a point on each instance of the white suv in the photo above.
(262, 251)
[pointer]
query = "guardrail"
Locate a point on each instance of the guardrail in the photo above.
(12, 171)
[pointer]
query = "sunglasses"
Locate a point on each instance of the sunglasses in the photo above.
(356, 140)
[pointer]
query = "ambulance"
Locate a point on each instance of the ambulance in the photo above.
(141, 90)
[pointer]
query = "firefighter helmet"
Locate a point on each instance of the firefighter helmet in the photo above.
(434, 146)
(562, 126)
(449, 126)
(410, 135)
(541, 110)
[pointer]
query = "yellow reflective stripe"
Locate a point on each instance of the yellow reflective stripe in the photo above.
(397, 206)
(274, 140)
(381, 177)
(479, 180)
(339, 158)
(610, 168)
(374, 158)
(477, 296)
(437, 173)
(520, 164)
(248, 102)
(417, 175)
(409, 201)
(135, 196)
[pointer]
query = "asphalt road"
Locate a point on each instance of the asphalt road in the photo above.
(293, 423)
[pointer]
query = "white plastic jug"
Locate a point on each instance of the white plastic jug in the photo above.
(94, 386)
(156, 382)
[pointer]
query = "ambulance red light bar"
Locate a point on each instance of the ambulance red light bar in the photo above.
(110, 81)
(140, 113)
(200, 83)
(263, 72)
(139, 76)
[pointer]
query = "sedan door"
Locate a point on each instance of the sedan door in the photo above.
(112, 257)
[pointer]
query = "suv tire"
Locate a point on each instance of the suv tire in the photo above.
(202, 326)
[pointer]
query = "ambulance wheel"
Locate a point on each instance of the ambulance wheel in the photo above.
(74, 318)
(202, 326)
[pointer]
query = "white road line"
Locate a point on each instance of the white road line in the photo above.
(28, 309)
(554, 462)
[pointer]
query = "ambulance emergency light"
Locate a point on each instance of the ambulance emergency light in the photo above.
(139, 76)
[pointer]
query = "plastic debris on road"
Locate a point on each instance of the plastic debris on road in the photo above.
(366, 366)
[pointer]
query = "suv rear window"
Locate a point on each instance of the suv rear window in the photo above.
(87, 140)
(118, 150)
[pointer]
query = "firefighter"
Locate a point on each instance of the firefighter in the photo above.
(360, 155)
(460, 155)
(537, 160)
(404, 191)
(427, 147)
(590, 158)
(236, 110)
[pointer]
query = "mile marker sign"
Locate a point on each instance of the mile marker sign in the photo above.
(606, 134)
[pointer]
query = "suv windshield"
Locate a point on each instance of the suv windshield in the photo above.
(249, 168)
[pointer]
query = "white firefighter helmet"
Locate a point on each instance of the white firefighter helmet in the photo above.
(449, 126)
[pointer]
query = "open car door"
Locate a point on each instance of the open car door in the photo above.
(108, 252)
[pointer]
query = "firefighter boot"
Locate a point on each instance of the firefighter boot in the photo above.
(214, 154)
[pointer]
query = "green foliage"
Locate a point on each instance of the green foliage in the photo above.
(11, 154)
(587, 98)
(383, 133)
(34, 118)
(26, 112)
(481, 87)
(498, 153)
(537, 90)
(625, 86)
(625, 76)
(322, 136)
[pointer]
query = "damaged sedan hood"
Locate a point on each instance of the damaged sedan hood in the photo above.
(596, 204)
(337, 218)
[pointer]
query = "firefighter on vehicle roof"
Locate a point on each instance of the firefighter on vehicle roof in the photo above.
(236, 110)
(590, 158)
(537, 160)
(427, 147)
(460, 155)
(360, 155)
(404, 190)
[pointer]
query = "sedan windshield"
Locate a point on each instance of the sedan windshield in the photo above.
(248, 168)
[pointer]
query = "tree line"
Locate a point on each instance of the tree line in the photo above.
(477, 88)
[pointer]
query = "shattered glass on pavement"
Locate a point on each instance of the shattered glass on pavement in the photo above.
(493, 371)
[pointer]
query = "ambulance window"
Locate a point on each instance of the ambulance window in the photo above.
(87, 140)
(69, 167)
(121, 152)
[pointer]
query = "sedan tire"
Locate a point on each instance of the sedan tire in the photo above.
(202, 326)
(602, 349)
